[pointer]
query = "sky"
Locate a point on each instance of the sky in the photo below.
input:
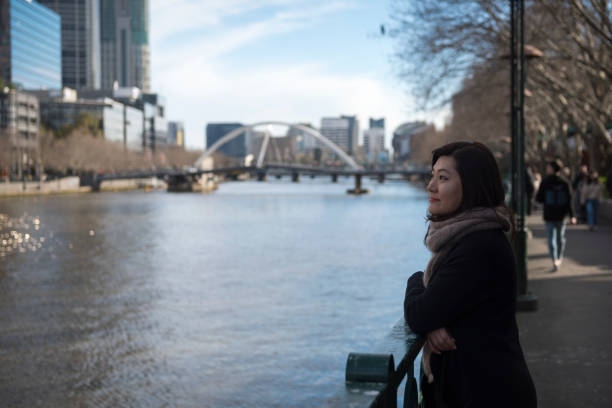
(286, 60)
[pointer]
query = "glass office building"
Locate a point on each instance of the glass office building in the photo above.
(124, 30)
(80, 41)
(118, 122)
(30, 45)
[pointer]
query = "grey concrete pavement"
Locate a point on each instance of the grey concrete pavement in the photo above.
(568, 340)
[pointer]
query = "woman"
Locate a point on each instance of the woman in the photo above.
(590, 195)
(465, 301)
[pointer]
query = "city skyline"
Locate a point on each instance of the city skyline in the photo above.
(289, 60)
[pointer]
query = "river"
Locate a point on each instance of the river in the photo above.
(251, 296)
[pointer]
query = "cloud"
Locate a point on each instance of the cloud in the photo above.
(204, 46)
(200, 87)
(172, 17)
(291, 93)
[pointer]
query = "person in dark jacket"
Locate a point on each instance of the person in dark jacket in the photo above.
(580, 180)
(465, 301)
(556, 195)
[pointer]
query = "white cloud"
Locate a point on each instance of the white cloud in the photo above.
(205, 46)
(172, 18)
(291, 93)
(201, 89)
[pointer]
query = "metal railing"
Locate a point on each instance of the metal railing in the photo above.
(373, 380)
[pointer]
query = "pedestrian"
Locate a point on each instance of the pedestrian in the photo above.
(609, 182)
(464, 302)
(555, 194)
(581, 179)
(590, 196)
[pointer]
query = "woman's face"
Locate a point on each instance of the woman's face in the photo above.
(445, 190)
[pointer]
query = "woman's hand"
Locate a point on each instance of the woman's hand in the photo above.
(439, 340)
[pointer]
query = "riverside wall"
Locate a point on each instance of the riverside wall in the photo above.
(57, 186)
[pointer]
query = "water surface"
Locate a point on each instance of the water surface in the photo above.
(250, 296)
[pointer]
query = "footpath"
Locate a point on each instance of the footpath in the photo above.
(568, 340)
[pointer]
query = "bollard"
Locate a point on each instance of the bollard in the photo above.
(369, 368)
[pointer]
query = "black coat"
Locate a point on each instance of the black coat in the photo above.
(555, 194)
(473, 295)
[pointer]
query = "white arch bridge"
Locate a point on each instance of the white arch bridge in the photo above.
(266, 142)
(182, 180)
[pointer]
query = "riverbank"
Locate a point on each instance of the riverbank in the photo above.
(70, 185)
(567, 340)
(65, 185)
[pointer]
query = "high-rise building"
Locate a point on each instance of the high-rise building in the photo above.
(234, 148)
(30, 45)
(80, 41)
(125, 44)
(343, 131)
(176, 134)
(374, 138)
(377, 123)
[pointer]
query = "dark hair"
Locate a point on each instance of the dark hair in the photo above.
(481, 181)
(555, 166)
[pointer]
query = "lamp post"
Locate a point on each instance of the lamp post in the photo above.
(525, 300)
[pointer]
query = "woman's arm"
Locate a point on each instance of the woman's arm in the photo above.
(460, 283)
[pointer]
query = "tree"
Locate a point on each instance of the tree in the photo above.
(453, 45)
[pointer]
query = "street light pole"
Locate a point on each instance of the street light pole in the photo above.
(525, 301)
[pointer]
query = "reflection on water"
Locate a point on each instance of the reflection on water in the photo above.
(250, 296)
(19, 234)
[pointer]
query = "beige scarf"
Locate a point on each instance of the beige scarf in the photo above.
(441, 237)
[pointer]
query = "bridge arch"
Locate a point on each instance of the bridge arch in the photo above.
(314, 133)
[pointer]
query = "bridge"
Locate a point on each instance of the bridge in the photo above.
(182, 180)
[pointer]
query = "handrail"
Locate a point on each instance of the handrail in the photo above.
(372, 380)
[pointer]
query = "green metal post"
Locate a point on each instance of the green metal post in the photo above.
(525, 301)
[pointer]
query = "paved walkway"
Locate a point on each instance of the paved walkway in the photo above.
(568, 340)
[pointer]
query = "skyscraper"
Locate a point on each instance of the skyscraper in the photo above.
(342, 131)
(176, 134)
(80, 41)
(374, 138)
(125, 43)
(29, 45)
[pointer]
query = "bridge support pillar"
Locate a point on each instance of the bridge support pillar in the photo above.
(261, 176)
(95, 185)
(295, 177)
(358, 190)
(334, 178)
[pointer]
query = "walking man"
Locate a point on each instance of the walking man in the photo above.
(556, 195)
